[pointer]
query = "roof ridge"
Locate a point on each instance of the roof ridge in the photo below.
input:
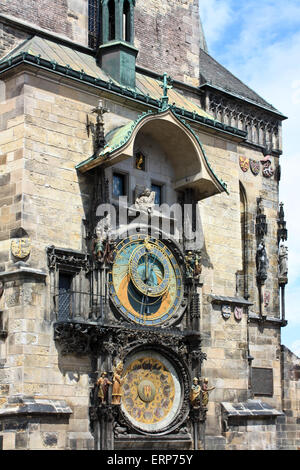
(239, 80)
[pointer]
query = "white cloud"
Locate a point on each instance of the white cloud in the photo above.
(295, 346)
(261, 47)
(215, 15)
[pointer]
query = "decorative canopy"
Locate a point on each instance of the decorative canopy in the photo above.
(178, 141)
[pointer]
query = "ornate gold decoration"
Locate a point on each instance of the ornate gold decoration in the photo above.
(244, 164)
(149, 392)
(21, 247)
(146, 391)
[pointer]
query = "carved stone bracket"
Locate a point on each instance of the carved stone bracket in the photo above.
(91, 339)
(59, 258)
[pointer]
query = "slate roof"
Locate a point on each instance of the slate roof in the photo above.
(216, 75)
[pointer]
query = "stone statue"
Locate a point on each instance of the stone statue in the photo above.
(261, 262)
(205, 389)
(193, 267)
(283, 261)
(103, 384)
(98, 248)
(145, 202)
(101, 242)
(118, 381)
(195, 393)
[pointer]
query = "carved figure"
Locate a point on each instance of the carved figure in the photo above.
(283, 261)
(140, 162)
(118, 381)
(261, 261)
(101, 244)
(145, 202)
(195, 393)
(205, 389)
(193, 267)
(103, 384)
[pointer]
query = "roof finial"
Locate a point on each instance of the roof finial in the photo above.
(166, 85)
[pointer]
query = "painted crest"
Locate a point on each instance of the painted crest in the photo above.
(21, 247)
(266, 162)
(244, 164)
(226, 311)
(254, 166)
(238, 313)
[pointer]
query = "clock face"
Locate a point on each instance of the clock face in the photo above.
(145, 282)
(152, 392)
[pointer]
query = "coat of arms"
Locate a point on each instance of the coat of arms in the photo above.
(238, 313)
(268, 171)
(226, 311)
(21, 247)
(244, 164)
(255, 167)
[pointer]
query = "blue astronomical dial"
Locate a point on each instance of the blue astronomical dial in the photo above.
(145, 282)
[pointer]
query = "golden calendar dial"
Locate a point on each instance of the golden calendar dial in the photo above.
(145, 283)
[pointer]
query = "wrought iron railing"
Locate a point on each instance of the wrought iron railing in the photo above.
(74, 305)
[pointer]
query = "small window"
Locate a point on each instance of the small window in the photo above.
(126, 21)
(111, 20)
(92, 23)
(158, 193)
(119, 185)
(65, 296)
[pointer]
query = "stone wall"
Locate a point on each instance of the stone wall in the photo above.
(167, 36)
(65, 17)
(288, 425)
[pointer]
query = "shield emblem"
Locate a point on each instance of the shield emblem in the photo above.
(21, 247)
(255, 167)
(226, 311)
(244, 164)
(238, 313)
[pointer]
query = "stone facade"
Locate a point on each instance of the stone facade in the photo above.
(46, 391)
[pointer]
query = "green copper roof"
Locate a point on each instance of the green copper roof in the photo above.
(59, 54)
(118, 137)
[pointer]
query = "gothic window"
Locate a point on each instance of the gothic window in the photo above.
(126, 21)
(119, 185)
(158, 193)
(111, 20)
(92, 23)
(64, 311)
(243, 214)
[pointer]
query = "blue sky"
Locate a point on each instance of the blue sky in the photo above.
(259, 42)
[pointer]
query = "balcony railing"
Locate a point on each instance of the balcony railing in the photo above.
(71, 305)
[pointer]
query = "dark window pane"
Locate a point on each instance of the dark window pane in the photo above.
(93, 22)
(118, 185)
(157, 189)
(64, 297)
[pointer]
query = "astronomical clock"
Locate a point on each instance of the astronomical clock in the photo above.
(146, 282)
(152, 348)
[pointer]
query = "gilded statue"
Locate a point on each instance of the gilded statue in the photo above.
(199, 394)
(118, 381)
(205, 389)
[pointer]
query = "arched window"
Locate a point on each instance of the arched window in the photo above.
(111, 20)
(243, 284)
(126, 35)
(93, 28)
